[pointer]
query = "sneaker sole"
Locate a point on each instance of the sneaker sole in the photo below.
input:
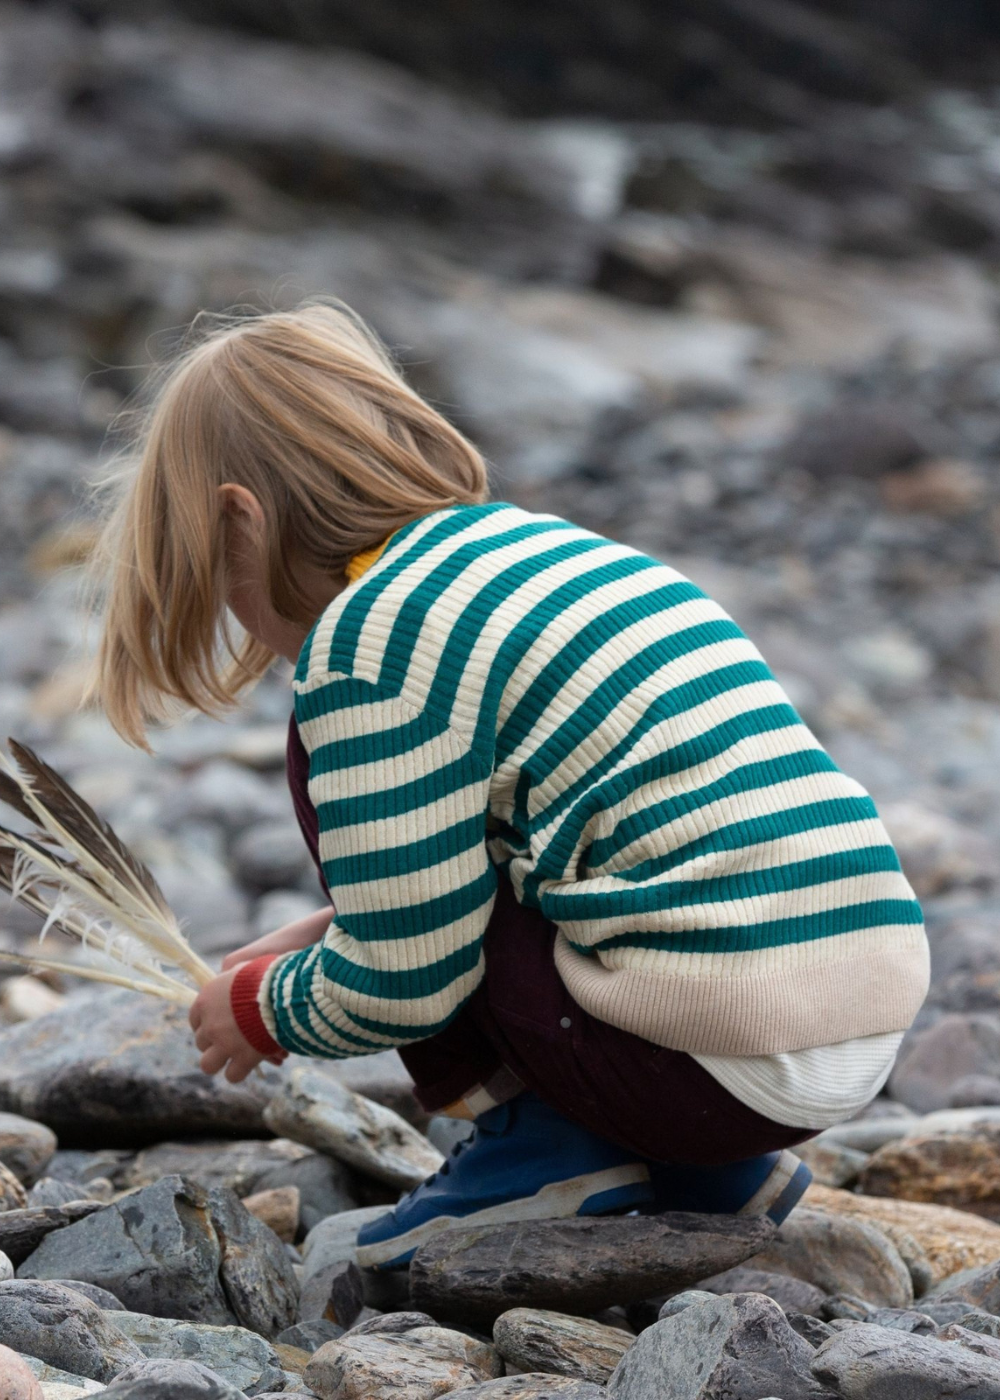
(781, 1191)
(596, 1193)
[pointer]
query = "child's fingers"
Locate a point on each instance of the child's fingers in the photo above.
(213, 1060)
(240, 1066)
(194, 1016)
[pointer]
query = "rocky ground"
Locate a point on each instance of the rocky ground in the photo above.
(752, 328)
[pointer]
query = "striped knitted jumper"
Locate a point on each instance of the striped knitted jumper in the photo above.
(504, 688)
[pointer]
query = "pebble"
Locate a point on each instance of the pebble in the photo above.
(49, 1191)
(534, 1339)
(240, 1356)
(418, 1364)
(310, 1336)
(315, 1110)
(238, 1165)
(960, 1169)
(26, 1148)
(325, 1186)
(979, 1288)
(278, 1209)
(62, 1327)
(739, 1345)
(581, 1264)
(839, 1254)
(791, 1294)
(872, 1363)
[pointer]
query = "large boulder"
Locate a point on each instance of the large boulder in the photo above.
(63, 1328)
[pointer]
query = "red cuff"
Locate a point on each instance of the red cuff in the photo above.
(246, 1011)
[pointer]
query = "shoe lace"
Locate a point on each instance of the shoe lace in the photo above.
(455, 1152)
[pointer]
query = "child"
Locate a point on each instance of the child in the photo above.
(587, 867)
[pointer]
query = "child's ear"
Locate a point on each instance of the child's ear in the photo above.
(238, 501)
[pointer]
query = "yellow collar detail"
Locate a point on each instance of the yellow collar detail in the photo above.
(360, 563)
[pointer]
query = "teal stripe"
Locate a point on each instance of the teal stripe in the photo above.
(412, 612)
(401, 984)
(376, 746)
(393, 802)
(567, 663)
(746, 938)
(791, 821)
(613, 790)
(748, 777)
(403, 1032)
(668, 895)
(667, 704)
(390, 862)
(295, 1032)
(387, 925)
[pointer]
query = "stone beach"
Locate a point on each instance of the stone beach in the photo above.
(723, 284)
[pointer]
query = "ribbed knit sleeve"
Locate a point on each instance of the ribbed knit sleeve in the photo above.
(402, 801)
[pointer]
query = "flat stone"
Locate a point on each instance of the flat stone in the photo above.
(384, 1079)
(534, 1339)
(960, 1169)
(123, 1067)
(979, 1288)
(237, 1165)
(155, 1249)
(874, 1363)
(392, 1322)
(171, 1380)
(417, 1365)
(317, 1111)
(246, 1360)
(979, 1343)
(63, 1328)
(17, 1381)
(533, 1385)
(838, 1253)
(868, 1134)
(950, 1239)
(26, 1147)
(739, 1347)
(22, 1231)
(582, 1264)
(791, 1294)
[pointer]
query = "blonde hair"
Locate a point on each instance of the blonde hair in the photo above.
(307, 410)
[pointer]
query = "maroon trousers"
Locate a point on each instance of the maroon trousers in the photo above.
(656, 1102)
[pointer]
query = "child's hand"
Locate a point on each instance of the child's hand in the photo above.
(300, 934)
(217, 1035)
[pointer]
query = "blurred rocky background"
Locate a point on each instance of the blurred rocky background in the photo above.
(719, 279)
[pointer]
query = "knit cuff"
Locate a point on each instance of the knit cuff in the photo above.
(245, 1007)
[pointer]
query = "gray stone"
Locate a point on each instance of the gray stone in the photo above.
(953, 1310)
(106, 1301)
(270, 855)
(791, 1294)
(838, 1253)
(426, 1361)
(310, 1336)
(26, 1147)
(392, 1322)
(317, 1111)
(22, 1231)
(680, 1301)
(325, 1186)
(980, 1322)
(256, 1273)
(52, 1376)
(384, 1079)
(832, 1163)
(976, 1288)
(738, 1347)
(335, 1293)
(874, 1363)
(580, 1264)
(810, 1328)
(63, 1328)
(51, 1192)
(223, 794)
(903, 1320)
(868, 1134)
(155, 1249)
(125, 1067)
(931, 1060)
(239, 1166)
(979, 1343)
(171, 1380)
(242, 1357)
(336, 1238)
(534, 1339)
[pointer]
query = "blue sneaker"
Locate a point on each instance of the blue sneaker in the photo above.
(767, 1185)
(523, 1161)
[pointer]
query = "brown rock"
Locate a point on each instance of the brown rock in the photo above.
(960, 1169)
(582, 1264)
(12, 1194)
(16, 1380)
(943, 486)
(951, 1239)
(416, 1365)
(25, 1147)
(278, 1209)
(839, 1254)
(831, 1163)
(534, 1339)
